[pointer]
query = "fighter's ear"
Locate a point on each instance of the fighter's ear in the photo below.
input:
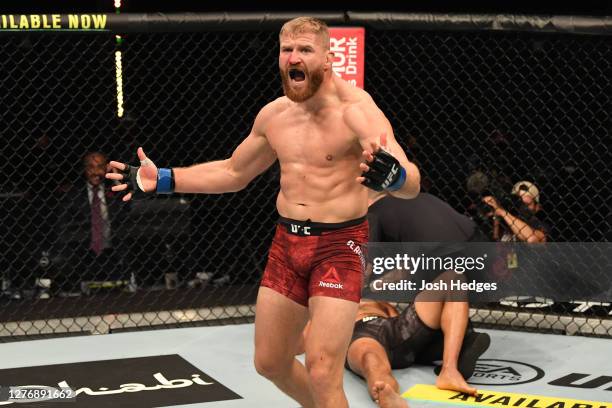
(329, 59)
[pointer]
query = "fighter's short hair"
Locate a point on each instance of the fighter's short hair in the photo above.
(300, 25)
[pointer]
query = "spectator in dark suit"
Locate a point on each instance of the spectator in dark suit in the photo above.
(87, 242)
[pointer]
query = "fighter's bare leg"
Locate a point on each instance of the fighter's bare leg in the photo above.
(452, 318)
(278, 327)
(331, 327)
(453, 323)
(368, 358)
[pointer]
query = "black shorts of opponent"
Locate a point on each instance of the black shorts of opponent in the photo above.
(405, 338)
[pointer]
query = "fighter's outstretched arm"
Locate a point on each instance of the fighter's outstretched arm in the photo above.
(251, 158)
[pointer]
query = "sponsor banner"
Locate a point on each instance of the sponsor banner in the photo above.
(348, 46)
(34, 22)
(585, 381)
(488, 272)
(484, 398)
(132, 382)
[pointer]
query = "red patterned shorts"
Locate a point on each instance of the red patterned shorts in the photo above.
(317, 259)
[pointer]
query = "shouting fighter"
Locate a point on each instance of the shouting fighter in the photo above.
(331, 140)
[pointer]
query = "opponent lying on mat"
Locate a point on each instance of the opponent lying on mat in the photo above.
(384, 339)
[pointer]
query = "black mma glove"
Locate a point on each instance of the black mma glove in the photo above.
(130, 177)
(385, 173)
(165, 182)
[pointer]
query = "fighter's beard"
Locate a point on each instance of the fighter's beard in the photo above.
(315, 79)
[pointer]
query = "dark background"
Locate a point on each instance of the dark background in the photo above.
(438, 6)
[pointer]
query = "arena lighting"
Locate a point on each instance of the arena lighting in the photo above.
(119, 77)
(118, 66)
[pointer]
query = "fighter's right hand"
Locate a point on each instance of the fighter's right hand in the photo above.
(134, 181)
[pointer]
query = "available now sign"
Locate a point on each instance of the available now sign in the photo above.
(348, 46)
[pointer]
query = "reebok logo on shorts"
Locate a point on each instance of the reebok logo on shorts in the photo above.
(330, 285)
(331, 279)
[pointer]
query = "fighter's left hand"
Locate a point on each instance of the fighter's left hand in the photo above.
(381, 171)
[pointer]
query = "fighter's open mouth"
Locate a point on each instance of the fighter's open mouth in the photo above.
(297, 75)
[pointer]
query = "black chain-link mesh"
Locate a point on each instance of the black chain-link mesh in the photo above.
(482, 111)
(501, 107)
(514, 107)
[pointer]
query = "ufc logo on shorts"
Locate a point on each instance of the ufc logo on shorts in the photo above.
(295, 229)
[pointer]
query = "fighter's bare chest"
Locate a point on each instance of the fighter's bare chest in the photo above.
(308, 139)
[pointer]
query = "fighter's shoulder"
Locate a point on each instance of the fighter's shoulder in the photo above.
(271, 111)
(275, 107)
(357, 101)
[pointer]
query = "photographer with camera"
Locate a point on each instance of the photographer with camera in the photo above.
(520, 222)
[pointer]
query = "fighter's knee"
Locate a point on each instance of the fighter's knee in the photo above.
(270, 366)
(320, 376)
(321, 370)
